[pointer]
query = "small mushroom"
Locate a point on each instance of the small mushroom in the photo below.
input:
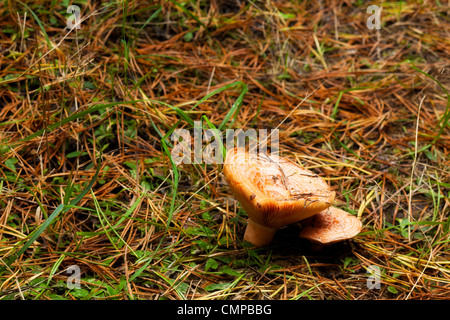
(274, 192)
(329, 226)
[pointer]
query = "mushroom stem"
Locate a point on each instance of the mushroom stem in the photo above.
(257, 234)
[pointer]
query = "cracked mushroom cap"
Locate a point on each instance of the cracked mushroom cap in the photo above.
(331, 225)
(275, 191)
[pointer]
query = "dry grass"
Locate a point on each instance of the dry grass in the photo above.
(375, 126)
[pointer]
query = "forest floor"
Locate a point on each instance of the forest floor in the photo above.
(92, 205)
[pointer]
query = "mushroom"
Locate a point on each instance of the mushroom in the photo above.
(274, 192)
(329, 226)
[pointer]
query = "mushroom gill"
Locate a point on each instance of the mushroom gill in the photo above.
(329, 226)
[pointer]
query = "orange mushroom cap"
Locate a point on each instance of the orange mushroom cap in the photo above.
(331, 225)
(273, 191)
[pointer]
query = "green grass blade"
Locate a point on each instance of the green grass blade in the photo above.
(174, 183)
(212, 93)
(55, 268)
(444, 121)
(341, 93)
(47, 39)
(74, 116)
(234, 110)
(101, 216)
(212, 126)
(188, 13)
(154, 15)
(61, 208)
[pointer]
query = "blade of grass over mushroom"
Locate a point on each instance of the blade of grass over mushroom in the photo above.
(62, 208)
